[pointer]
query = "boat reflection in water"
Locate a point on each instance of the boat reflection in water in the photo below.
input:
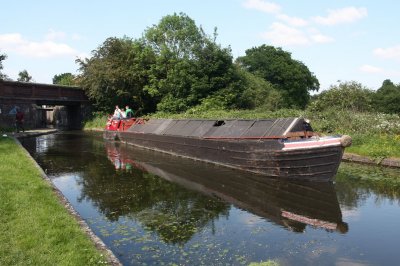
(293, 204)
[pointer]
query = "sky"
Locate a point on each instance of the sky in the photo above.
(339, 41)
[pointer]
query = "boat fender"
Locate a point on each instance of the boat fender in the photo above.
(345, 140)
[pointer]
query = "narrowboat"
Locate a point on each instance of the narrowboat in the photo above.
(286, 148)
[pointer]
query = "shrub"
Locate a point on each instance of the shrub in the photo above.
(345, 96)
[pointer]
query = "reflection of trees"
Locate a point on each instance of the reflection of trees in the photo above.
(173, 212)
(355, 184)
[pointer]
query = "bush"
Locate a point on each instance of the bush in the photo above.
(98, 121)
(345, 96)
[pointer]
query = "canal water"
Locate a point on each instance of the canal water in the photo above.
(151, 208)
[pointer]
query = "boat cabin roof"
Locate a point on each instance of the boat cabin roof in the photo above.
(228, 128)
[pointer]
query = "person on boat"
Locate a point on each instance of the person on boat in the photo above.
(128, 112)
(117, 113)
(123, 114)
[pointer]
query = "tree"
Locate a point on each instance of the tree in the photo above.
(291, 77)
(189, 65)
(24, 76)
(67, 79)
(2, 58)
(387, 97)
(259, 93)
(349, 95)
(117, 73)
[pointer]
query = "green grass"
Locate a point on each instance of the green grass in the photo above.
(35, 228)
(97, 123)
(376, 146)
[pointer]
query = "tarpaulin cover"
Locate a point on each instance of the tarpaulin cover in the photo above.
(230, 128)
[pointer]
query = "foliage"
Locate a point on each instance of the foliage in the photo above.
(23, 76)
(291, 77)
(117, 74)
(66, 79)
(2, 58)
(176, 66)
(387, 98)
(376, 146)
(350, 122)
(189, 65)
(35, 228)
(259, 93)
(374, 134)
(97, 122)
(231, 114)
(349, 95)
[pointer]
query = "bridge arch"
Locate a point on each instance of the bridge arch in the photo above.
(43, 104)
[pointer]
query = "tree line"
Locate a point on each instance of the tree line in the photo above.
(176, 66)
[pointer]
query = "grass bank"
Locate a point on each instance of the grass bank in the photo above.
(35, 228)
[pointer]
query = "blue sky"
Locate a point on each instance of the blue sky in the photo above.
(337, 40)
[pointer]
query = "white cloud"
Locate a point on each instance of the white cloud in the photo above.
(319, 38)
(371, 69)
(10, 39)
(284, 35)
(293, 21)
(55, 35)
(45, 49)
(14, 42)
(390, 53)
(281, 34)
(343, 15)
(264, 6)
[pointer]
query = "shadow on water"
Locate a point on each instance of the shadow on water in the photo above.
(152, 208)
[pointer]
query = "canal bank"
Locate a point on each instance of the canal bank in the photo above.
(36, 229)
(387, 162)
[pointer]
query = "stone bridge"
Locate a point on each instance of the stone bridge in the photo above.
(44, 105)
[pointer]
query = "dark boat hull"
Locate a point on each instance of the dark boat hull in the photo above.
(281, 148)
(264, 157)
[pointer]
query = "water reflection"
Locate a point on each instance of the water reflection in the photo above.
(151, 208)
(171, 211)
(293, 205)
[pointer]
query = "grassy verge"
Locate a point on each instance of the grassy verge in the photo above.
(35, 228)
(98, 122)
(376, 146)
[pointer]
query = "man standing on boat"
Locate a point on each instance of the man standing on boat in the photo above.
(117, 113)
(128, 112)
